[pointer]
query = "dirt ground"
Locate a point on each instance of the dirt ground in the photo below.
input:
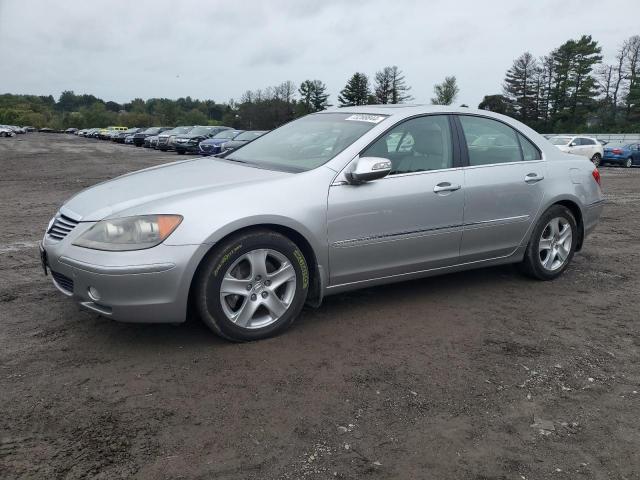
(477, 375)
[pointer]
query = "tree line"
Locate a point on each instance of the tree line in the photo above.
(569, 89)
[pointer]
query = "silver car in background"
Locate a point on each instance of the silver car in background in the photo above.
(338, 200)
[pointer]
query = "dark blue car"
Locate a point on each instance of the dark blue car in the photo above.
(213, 146)
(627, 155)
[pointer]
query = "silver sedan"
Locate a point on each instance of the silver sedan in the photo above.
(338, 200)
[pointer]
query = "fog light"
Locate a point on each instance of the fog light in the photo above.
(94, 294)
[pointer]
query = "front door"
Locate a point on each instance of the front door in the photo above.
(407, 222)
(504, 188)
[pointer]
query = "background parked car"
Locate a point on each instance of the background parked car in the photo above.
(585, 146)
(190, 141)
(120, 136)
(6, 131)
(71, 130)
(166, 140)
(29, 129)
(138, 138)
(213, 146)
(626, 155)
(151, 142)
(241, 139)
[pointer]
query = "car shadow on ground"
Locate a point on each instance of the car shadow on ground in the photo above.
(194, 333)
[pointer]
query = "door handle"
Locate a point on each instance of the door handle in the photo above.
(446, 187)
(533, 178)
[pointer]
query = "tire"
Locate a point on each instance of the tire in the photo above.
(628, 163)
(537, 263)
(260, 310)
(596, 159)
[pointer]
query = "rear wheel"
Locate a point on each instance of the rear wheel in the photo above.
(596, 159)
(628, 163)
(252, 287)
(552, 244)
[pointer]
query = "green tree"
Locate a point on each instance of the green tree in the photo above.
(497, 103)
(356, 91)
(574, 90)
(313, 96)
(446, 92)
(522, 86)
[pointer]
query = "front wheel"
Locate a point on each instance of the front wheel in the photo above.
(596, 159)
(552, 244)
(628, 163)
(252, 287)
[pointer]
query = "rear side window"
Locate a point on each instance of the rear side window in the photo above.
(529, 150)
(489, 141)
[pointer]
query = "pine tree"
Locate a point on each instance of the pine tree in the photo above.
(356, 91)
(521, 87)
(382, 89)
(446, 92)
(313, 96)
(320, 97)
(574, 90)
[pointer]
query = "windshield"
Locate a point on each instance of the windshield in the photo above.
(248, 136)
(306, 143)
(178, 131)
(560, 140)
(152, 130)
(226, 134)
(200, 131)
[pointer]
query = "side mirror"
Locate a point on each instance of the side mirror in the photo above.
(572, 144)
(368, 169)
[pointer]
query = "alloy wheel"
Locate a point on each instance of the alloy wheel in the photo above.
(258, 288)
(628, 163)
(555, 243)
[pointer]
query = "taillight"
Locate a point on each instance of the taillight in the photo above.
(596, 176)
(617, 151)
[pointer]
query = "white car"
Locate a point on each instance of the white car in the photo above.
(586, 146)
(6, 131)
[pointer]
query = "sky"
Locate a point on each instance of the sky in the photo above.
(119, 50)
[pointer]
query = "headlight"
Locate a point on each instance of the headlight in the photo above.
(129, 233)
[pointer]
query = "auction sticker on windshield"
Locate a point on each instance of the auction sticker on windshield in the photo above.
(363, 117)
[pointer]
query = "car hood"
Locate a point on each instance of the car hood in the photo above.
(159, 183)
(563, 148)
(188, 136)
(215, 141)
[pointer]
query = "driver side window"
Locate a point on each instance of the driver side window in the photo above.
(417, 145)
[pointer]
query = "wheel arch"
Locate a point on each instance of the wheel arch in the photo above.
(316, 274)
(575, 209)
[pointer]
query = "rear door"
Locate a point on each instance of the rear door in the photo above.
(504, 179)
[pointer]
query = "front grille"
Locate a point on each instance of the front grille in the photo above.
(206, 147)
(63, 281)
(163, 140)
(61, 227)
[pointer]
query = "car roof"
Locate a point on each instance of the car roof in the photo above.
(406, 108)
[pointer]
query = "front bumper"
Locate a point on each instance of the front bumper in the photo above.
(186, 147)
(143, 286)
